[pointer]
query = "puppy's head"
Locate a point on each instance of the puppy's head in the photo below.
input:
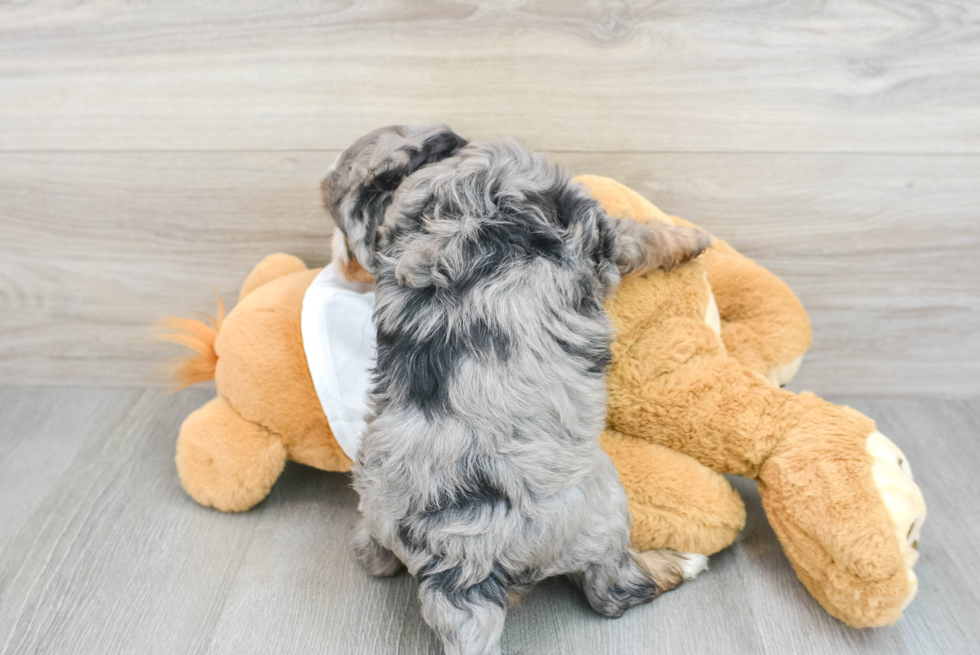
(358, 187)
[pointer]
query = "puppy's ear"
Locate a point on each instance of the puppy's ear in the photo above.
(642, 247)
(619, 248)
(359, 186)
(349, 267)
(438, 144)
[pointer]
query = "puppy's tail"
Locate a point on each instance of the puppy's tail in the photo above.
(198, 336)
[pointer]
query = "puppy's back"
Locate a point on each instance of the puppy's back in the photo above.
(492, 344)
(495, 261)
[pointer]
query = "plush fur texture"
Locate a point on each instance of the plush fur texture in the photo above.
(700, 398)
(481, 469)
(230, 452)
(688, 395)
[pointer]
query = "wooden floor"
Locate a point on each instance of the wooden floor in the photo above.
(101, 552)
(151, 153)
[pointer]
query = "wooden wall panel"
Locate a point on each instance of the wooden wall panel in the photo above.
(152, 151)
(94, 247)
(674, 75)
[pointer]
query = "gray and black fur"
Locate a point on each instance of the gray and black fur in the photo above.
(480, 469)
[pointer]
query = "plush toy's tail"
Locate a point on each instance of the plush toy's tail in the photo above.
(198, 336)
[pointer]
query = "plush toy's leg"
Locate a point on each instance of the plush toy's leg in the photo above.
(227, 462)
(711, 408)
(676, 502)
(274, 266)
(763, 323)
(843, 523)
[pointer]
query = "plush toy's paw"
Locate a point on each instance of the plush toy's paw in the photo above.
(694, 564)
(841, 499)
(901, 495)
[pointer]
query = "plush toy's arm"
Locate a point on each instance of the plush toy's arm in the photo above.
(675, 501)
(839, 495)
(847, 521)
(763, 323)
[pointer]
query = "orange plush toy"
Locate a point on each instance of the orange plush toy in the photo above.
(694, 392)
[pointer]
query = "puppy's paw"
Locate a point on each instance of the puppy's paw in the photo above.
(669, 569)
(693, 564)
(375, 559)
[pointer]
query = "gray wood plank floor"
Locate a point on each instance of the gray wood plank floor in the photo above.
(101, 552)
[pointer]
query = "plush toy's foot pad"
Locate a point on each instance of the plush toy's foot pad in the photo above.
(902, 497)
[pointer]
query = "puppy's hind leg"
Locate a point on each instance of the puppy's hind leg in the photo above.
(374, 558)
(469, 620)
(669, 569)
(630, 578)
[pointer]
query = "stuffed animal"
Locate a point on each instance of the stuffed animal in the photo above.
(694, 392)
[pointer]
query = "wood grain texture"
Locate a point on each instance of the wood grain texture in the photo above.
(101, 552)
(151, 153)
(675, 75)
(96, 248)
(884, 251)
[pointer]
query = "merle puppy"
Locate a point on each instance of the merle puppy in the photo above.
(480, 469)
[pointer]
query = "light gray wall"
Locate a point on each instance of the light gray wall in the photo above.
(150, 153)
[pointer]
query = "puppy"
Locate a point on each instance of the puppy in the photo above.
(480, 470)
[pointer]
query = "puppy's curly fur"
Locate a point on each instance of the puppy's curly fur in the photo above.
(480, 469)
